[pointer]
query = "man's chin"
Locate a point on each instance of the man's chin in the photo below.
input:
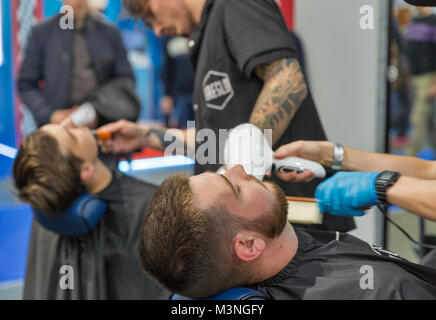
(280, 198)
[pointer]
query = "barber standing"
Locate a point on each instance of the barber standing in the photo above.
(78, 76)
(82, 73)
(246, 70)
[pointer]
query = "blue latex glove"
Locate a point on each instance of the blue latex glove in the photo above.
(346, 192)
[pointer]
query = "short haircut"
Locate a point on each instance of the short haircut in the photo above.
(188, 250)
(45, 178)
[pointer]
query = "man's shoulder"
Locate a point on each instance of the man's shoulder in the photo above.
(47, 25)
(218, 3)
(100, 22)
(241, 4)
(134, 181)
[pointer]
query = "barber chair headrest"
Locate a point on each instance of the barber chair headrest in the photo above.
(80, 219)
(238, 293)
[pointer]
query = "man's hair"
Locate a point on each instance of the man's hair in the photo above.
(45, 178)
(188, 250)
(134, 7)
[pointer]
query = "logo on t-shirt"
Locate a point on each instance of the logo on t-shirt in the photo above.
(217, 90)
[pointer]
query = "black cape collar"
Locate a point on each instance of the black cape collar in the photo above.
(305, 244)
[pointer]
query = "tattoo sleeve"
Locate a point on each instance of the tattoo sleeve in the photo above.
(283, 92)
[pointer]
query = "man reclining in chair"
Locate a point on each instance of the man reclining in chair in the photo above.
(208, 233)
(53, 167)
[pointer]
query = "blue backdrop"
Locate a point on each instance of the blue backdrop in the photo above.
(7, 128)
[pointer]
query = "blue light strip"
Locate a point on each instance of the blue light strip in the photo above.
(8, 151)
(1, 36)
(124, 166)
(155, 163)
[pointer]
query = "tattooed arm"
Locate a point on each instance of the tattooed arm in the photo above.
(129, 136)
(283, 92)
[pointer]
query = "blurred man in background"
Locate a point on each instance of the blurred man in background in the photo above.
(86, 67)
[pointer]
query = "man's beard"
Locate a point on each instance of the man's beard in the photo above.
(278, 217)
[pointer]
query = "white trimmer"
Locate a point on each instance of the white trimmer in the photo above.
(247, 145)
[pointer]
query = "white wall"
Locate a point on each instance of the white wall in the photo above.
(345, 69)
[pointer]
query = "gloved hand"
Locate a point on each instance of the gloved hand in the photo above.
(345, 192)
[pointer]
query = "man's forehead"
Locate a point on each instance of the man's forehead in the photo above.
(206, 188)
(203, 178)
(62, 136)
(56, 130)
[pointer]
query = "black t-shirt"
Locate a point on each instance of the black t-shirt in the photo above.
(347, 269)
(231, 40)
(421, 45)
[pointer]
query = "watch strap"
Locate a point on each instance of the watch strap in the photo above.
(338, 157)
(383, 182)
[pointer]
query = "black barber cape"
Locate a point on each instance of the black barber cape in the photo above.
(231, 40)
(105, 262)
(324, 268)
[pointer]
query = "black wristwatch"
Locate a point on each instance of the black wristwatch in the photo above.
(382, 183)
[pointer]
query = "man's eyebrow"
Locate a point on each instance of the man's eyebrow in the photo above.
(230, 184)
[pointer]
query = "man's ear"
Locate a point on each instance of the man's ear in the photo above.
(248, 245)
(87, 171)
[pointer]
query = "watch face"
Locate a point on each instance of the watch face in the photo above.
(388, 175)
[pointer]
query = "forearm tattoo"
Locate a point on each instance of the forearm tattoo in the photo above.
(284, 91)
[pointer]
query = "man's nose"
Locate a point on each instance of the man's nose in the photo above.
(237, 172)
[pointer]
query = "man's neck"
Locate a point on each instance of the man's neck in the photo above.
(279, 253)
(80, 18)
(101, 178)
(195, 8)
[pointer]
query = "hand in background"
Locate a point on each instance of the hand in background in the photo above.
(167, 105)
(310, 150)
(126, 137)
(59, 116)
